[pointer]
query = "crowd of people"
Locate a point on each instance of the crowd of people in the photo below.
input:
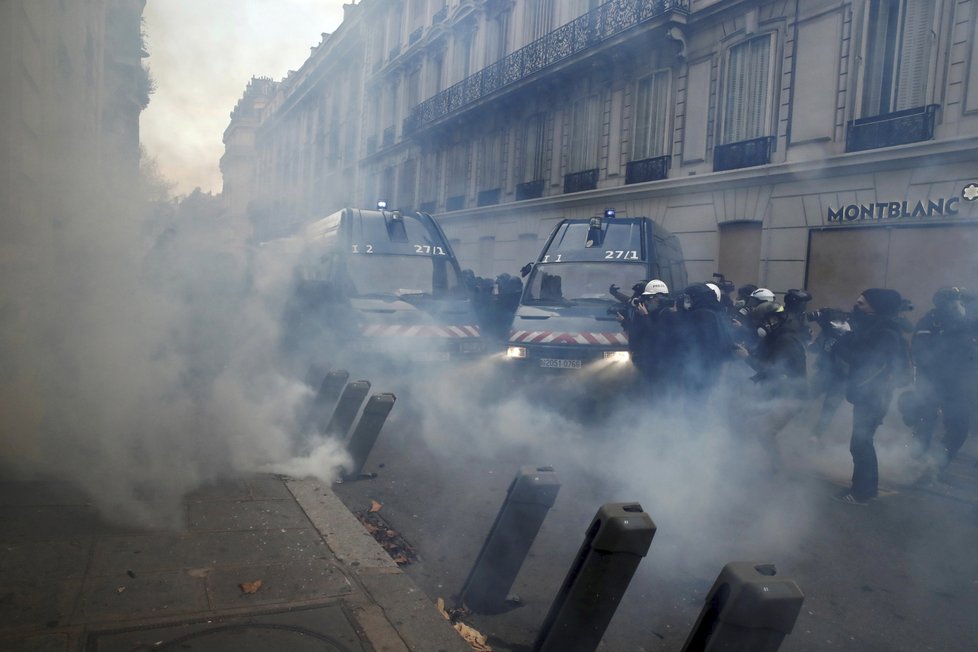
(680, 343)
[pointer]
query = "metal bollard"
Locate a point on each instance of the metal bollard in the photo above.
(748, 609)
(617, 539)
(368, 428)
(346, 409)
(530, 496)
(326, 397)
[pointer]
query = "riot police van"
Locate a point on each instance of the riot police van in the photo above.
(565, 318)
(380, 285)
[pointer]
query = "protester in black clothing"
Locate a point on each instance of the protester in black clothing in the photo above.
(780, 381)
(945, 354)
(795, 302)
(705, 342)
(875, 354)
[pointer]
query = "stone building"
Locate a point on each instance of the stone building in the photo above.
(74, 86)
(827, 144)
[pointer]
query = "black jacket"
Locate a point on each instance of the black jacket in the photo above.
(876, 358)
(781, 363)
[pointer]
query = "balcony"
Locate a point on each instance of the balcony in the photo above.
(890, 129)
(580, 181)
(371, 144)
(648, 169)
(743, 154)
(587, 32)
(440, 15)
(396, 50)
(530, 189)
(455, 203)
(428, 206)
(388, 136)
(415, 36)
(489, 197)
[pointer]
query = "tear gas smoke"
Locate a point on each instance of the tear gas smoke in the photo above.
(140, 355)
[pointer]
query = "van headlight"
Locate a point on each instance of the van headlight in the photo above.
(617, 356)
(516, 352)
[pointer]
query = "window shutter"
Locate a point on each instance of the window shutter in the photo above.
(915, 54)
(745, 111)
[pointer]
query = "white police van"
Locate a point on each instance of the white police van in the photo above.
(563, 321)
(382, 285)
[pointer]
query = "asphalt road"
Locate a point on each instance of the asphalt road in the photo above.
(898, 574)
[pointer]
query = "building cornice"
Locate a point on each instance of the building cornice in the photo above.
(912, 156)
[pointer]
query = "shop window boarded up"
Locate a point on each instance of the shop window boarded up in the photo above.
(740, 251)
(913, 260)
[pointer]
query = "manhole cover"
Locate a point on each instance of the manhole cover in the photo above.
(318, 629)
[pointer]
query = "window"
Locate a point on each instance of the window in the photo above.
(651, 116)
(408, 179)
(491, 162)
(418, 11)
(463, 55)
(430, 178)
(435, 66)
(746, 90)
(533, 148)
(413, 90)
(538, 18)
(584, 134)
(898, 55)
(497, 39)
(458, 170)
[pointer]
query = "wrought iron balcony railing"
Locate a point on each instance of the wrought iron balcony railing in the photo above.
(647, 169)
(489, 197)
(428, 206)
(396, 50)
(579, 181)
(455, 203)
(530, 189)
(587, 31)
(440, 15)
(415, 36)
(899, 128)
(388, 136)
(743, 154)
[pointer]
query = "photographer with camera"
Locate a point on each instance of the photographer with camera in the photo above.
(829, 379)
(654, 336)
(780, 381)
(875, 355)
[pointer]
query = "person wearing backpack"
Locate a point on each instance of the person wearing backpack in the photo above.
(875, 356)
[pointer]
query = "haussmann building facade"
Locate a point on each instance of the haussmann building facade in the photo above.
(826, 144)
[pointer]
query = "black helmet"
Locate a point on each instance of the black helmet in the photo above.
(796, 297)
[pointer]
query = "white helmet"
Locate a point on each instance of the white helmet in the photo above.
(716, 290)
(762, 295)
(655, 286)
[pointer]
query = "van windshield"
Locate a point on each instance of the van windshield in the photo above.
(403, 276)
(562, 283)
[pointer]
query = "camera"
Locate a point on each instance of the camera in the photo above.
(825, 315)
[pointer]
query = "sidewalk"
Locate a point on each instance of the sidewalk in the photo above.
(69, 581)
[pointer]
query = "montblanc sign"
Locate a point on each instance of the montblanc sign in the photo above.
(894, 210)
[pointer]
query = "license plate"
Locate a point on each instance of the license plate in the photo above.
(557, 363)
(430, 356)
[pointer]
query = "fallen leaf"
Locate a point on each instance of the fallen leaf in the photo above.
(120, 589)
(375, 506)
(250, 587)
